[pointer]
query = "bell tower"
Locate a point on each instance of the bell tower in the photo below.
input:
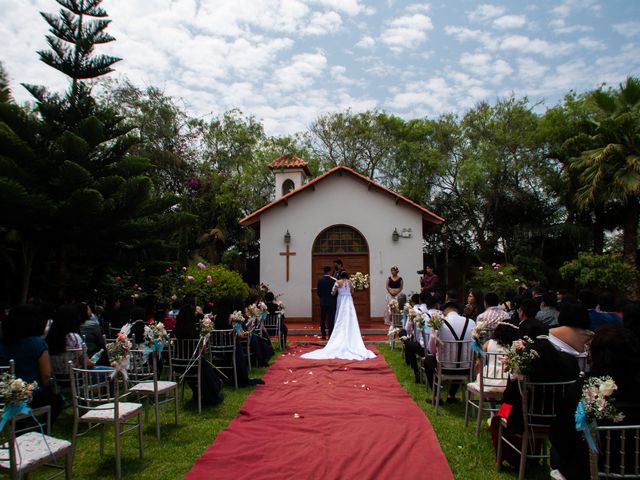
(290, 173)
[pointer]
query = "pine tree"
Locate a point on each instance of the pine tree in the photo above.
(74, 32)
(5, 90)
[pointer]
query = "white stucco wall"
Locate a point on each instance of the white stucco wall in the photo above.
(297, 175)
(338, 200)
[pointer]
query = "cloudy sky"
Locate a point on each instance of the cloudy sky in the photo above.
(288, 61)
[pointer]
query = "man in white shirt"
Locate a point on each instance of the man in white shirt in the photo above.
(454, 327)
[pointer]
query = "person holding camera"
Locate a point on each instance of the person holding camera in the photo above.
(429, 280)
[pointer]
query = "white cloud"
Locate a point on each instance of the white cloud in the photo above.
(350, 7)
(525, 44)
(300, 72)
(559, 25)
(366, 42)
(628, 29)
(483, 65)
(462, 34)
(485, 12)
(418, 8)
(530, 70)
(338, 73)
(591, 44)
(322, 23)
(509, 21)
(407, 31)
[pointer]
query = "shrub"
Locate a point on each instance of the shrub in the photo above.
(213, 283)
(496, 278)
(606, 271)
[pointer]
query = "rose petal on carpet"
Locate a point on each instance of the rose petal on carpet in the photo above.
(326, 419)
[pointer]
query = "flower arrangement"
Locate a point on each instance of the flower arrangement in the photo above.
(281, 306)
(480, 333)
(206, 326)
(15, 390)
(394, 306)
(417, 318)
(520, 357)
(252, 311)
(594, 405)
(407, 309)
(435, 322)
(360, 280)
(118, 352)
(155, 338)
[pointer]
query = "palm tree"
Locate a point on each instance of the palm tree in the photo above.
(609, 170)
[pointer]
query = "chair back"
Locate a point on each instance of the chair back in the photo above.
(272, 323)
(141, 367)
(454, 354)
(618, 453)
(493, 374)
(185, 358)
(396, 320)
(540, 401)
(222, 341)
(91, 389)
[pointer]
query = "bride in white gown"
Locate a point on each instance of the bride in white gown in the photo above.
(346, 341)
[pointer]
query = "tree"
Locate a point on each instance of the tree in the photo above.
(609, 168)
(73, 195)
(5, 89)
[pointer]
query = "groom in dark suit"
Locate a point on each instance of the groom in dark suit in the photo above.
(327, 302)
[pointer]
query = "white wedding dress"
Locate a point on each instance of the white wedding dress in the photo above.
(346, 341)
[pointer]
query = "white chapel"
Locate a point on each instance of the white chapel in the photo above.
(340, 214)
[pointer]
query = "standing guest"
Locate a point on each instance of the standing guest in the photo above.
(454, 327)
(394, 284)
(429, 281)
(327, 302)
(548, 313)
(475, 304)
(589, 299)
(273, 307)
(22, 342)
(528, 325)
(493, 313)
(338, 268)
(92, 333)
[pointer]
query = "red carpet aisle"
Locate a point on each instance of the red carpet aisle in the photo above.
(335, 419)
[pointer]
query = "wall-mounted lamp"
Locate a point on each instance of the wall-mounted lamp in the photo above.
(287, 237)
(395, 235)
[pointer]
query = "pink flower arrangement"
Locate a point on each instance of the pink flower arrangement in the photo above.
(118, 278)
(190, 278)
(201, 266)
(209, 279)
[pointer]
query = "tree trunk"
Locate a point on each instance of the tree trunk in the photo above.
(28, 254)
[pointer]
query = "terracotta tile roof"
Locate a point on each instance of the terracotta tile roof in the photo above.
(290, 162)
(427, 215)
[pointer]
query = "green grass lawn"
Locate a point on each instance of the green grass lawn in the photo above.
(469, 458)
(173, 456)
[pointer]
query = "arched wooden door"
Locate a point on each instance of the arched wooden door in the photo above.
(347, 244)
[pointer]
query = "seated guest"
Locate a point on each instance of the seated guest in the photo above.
(616, 353)
(528, 325)
(572, 335)
(22, 342)
(493, 314)
(548, 313)
(273, 307)
(187, 328)
(414, 344)
(64, 336)
(225, 307)
(502, 338)
(589, 299)
(455, 327)
(551, 365)
(475, 304)
(134, 328)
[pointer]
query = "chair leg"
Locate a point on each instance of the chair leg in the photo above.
(117, 435)
(140, 437)
(68, 465)
(466, 408)
(499, 452)
(175, 401)
(480, 415)
(157, 408)
(523, 454)
(102, 429)
(437, 385)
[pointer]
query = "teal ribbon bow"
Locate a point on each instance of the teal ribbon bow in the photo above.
(582, 425)
(12, 410)
(477, 348)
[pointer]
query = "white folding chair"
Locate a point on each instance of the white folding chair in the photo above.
(96, 402)
(539, 403)
(455, 363)
(618, 454)
(486, 389)
(143, 381)
(185, 362)
(222, 351)
(272, 323)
